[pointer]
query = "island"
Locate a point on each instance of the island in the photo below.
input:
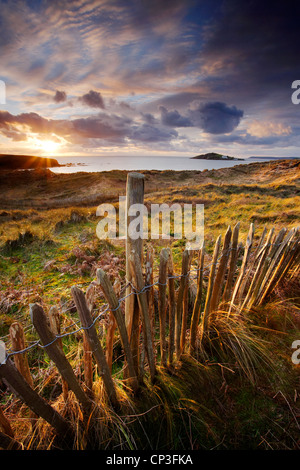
(214, 156)
(26, 162)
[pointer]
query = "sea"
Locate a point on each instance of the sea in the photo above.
(98, 163)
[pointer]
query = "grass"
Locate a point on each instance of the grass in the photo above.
(242, 391)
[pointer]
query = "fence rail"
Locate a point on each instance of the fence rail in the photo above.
(155, 320)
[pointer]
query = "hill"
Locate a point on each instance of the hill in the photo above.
(22, 162)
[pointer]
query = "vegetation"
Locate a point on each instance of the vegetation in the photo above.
(242, 392)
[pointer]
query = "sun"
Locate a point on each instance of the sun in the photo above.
(46, 146)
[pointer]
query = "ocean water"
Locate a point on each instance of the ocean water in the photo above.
(107, 163)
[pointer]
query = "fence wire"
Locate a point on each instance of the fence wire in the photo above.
(134, 291)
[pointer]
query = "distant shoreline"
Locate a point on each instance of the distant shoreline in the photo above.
(26, 162)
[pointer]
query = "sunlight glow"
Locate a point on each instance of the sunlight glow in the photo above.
(48, 147)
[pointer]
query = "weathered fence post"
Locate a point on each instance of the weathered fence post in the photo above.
(112, 325)
(117, 313)
(90, 330)
(180, 296)
(48, 339)
(235, 296)
(149, 282)
(259, 273)
(290, 249)
(17, 339)
(55, 328)
(137, 276)
(21, 388)
(172, 308)
(251, 264)
(219, 279)
(134, 195)
(197, 304)
(185, 304)
(232, 264)
(275, 256)
(162, 303)
(87, 352)
(205, 317)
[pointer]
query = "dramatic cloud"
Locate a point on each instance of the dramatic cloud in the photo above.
(60, 96)
(148, 133)
(173, 118)
(216, 118)
(93, 99)
(212, 118)
(187, 74)
(101, 127)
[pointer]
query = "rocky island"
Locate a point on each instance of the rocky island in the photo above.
(214, 156)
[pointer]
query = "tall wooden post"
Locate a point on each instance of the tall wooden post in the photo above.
(134, 195)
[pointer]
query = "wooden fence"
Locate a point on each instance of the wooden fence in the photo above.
(157, 320)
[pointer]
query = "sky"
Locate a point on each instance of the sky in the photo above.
(149, 77)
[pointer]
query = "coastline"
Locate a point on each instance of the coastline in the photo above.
(44, 188)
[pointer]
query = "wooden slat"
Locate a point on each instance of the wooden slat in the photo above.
(172, 308)
(54, 319)
(179, 301)
(197, 304)
(232, 263)
(137, 276)
(235, 296)
(162, 303)
(117, 313)
(17, 339)
(21, 388)
(90, 330)
(39, 321)
(220, 274)
(259, 273)
(206, 312)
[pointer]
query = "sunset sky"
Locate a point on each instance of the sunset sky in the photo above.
(149, 77)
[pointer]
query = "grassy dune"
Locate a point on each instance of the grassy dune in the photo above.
(48, 243)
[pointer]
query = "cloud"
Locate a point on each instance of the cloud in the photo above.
(102, 127)
(265, 129)
(212, 118)
(149, 133)
(173, 118)
(60, 96)
(250, 52)
(149, 118)
(215, 117)
(93, 99)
